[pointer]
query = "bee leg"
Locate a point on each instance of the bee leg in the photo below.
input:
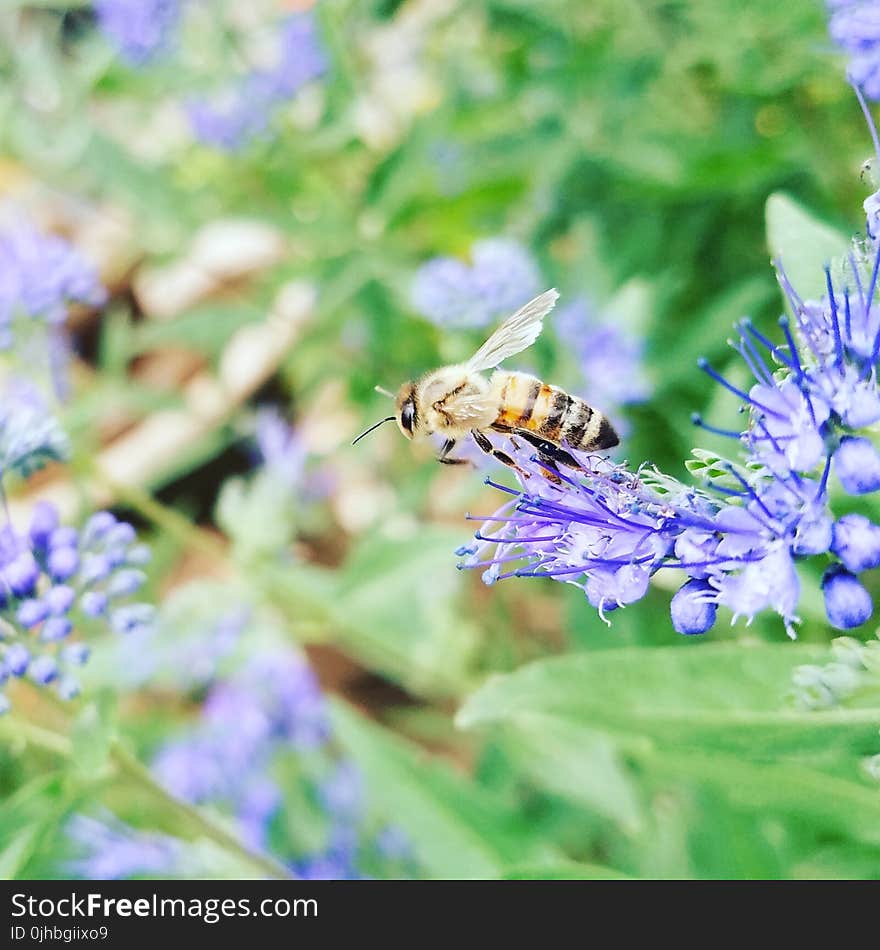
(549, 451)
(443, 457)
(502, 457)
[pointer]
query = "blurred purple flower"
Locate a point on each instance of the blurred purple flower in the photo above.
(855, 27)
(342, 792)
(249, 721)
(49, 582)
(273, 702)
(39, 276)
(139, 30)
(610, 359)
(501, 277)
(243, 110)
(30, 436)
(108, 850)
(281, 449)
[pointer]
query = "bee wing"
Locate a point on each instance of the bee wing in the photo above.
(515, 334)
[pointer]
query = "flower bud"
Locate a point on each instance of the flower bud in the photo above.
(16, 659)
(31, 612)
(63, 562)
(691, 609)
(856, 541)
(857, 464)
(44, 521)
(59, 599)
(55, 628)
(43, 670)
(847, 603)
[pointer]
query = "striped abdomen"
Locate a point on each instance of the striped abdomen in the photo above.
(524, 402)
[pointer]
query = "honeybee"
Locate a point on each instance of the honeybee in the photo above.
(459, 401)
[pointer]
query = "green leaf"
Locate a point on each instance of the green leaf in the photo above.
(802, 243)
(784, 787)
(398, 599)
(458, 829)
(722, 696)
(27, 817)
(582, 765)
(18, 851)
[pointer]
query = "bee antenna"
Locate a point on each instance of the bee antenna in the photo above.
(383, 391)
(376, 426)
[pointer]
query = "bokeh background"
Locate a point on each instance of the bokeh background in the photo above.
(290, 203)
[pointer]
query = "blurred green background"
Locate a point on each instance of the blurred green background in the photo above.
(630, 147)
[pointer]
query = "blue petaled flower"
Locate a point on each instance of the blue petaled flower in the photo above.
(501, 277)
(56, 581)
(244, 110)
(810, 409)
(855, 27)
(139, 30)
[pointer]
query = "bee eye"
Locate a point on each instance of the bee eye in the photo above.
(407, 415)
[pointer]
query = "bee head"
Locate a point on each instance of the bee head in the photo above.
(407, 412)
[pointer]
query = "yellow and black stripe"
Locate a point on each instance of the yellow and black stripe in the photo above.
(527, 403)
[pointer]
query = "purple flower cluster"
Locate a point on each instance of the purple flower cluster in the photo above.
(243, 111)
(501, 277)
(810, 408)
(139, 30)
(56, 581)
(268, 709)
(108, 850)
(855, 27)
(271, 703)
(271, 706)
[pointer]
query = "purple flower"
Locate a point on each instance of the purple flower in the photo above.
(608, 530)
(244, 110)
(326, 867)
(857, 465)
(140, 30)
(274, 701)
(108, 850)
(855, 27)
(856, 541)
(393, 844)
(250, 722)
(342, 793)
(46, 595)
(40, 275)
(30, 436)
(258, 804)
(501, 277)
(847, 603)
(281, 449)
(693, 608)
